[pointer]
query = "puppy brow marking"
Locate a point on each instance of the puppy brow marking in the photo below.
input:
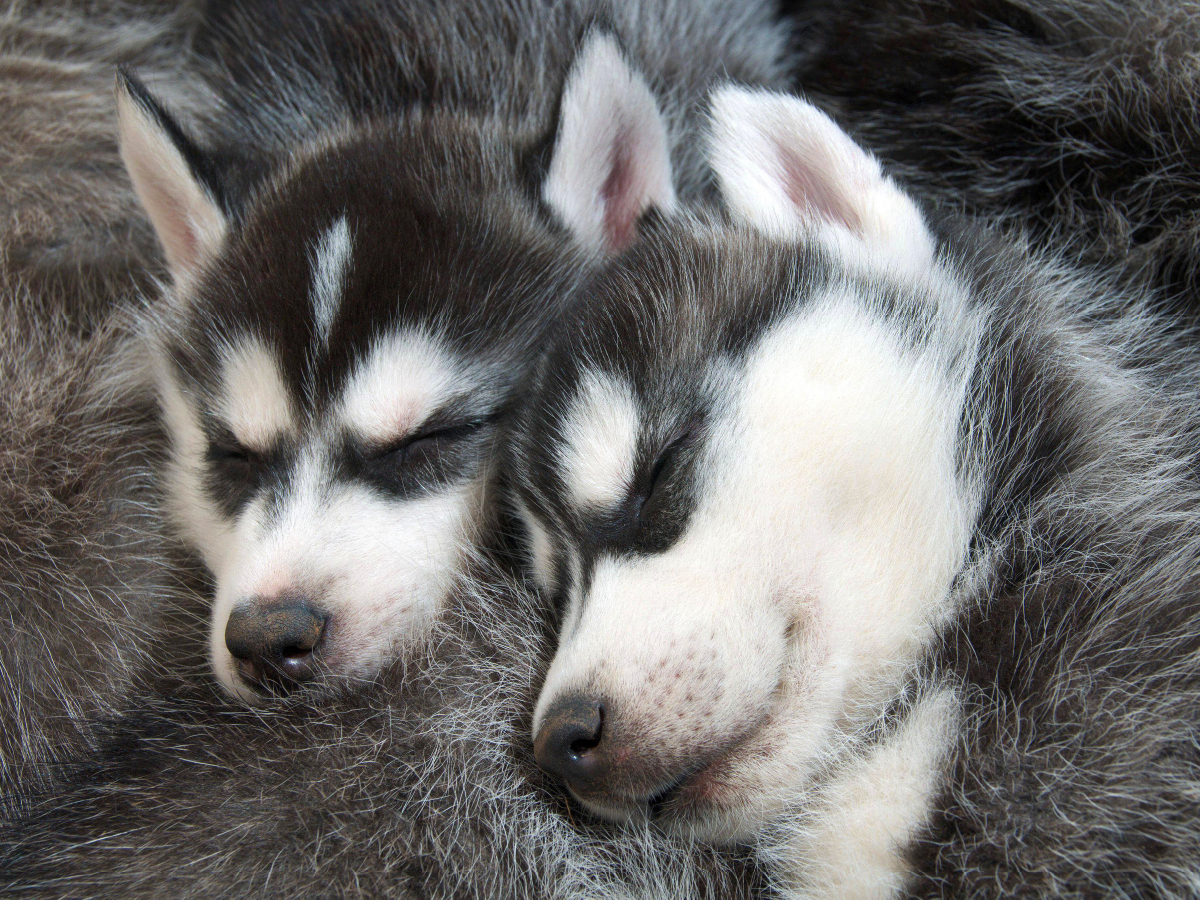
(599, 441)
(331, 260)
(255, 401)
(406, 375)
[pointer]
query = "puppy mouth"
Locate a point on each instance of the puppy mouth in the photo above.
(692, 794)
(658, 805)
(685, 798)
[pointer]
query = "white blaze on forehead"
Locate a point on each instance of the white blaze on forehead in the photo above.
(599, 440)
(405, 376)
(254, 400)
(331, 260)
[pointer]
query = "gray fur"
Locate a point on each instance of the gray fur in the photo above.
(419, 785)
(503, 62)
(71, 226)
(1073, 119)
(86, 586)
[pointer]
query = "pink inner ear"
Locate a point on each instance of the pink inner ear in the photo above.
(180, 241)
(622, 194)
(815, 192)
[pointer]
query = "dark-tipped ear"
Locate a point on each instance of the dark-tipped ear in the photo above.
(164, 167)
(611, 159)
(784, 167)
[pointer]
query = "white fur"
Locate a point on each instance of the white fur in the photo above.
(405, 376)
(199, 521)
(599, 440)
(189, 224)
(849, 843)
(610, 133)
(541, 548)
(785, 167)
(830, 503)
(331, 260)
(254, 399)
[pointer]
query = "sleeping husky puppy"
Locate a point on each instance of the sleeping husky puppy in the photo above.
(392, 203)
(872, 541)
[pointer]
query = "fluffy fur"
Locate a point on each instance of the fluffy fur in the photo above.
(87, 584)
(900, 574)
(418, 786)
(70, 224)
(1072, 119)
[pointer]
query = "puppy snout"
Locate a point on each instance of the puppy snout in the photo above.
(570, 742)
(275, 644)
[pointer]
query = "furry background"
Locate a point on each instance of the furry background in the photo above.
(123, 772)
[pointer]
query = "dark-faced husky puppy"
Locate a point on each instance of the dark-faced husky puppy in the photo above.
(872, 540)
(391, 202)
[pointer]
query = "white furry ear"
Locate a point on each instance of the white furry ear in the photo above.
(784, 166)
(611, 158)
(161, 163)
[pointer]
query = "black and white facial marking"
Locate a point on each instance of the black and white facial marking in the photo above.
(341, 348)
(741, 473)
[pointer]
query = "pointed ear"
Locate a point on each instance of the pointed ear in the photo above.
(164, 166)
(611, 160)
(785, 167)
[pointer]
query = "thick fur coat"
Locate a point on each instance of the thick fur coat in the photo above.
(1075, 121)
(86, 583)
(125, 773)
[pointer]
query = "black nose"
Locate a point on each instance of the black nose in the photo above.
(275, 644)
(568, 744)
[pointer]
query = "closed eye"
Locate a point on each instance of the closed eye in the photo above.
(423, 443)
(230, 451)
(683, 438)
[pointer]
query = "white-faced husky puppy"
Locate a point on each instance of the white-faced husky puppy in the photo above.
(873, 540)
(391, 202)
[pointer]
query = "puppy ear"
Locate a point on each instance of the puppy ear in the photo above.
(165, 168)
(784, 166)
(611, 158)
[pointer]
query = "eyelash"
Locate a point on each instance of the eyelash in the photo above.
(677, 443)
(449, 432)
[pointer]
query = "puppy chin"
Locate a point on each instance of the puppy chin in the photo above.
(619, 814)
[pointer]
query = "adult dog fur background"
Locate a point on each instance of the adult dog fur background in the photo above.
(1075, 120)
(345, 808)
(86, 585)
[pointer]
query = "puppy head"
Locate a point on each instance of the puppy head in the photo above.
(739, 471)
(341, 344)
